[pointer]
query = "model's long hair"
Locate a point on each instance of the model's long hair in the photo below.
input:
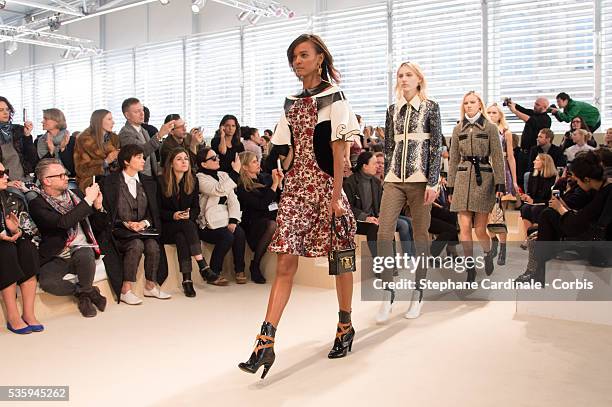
(245, 158)
(483, 110)
(416, 69)
(502, 124)
(329, 73)
(170, 185)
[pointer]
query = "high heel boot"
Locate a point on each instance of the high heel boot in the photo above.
(494, 243)
(263, 353)
(501, 259)
(345, 333)
(471, 275)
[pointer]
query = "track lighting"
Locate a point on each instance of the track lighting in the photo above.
(11, 48)
(164, 2)
(254, 18)
(243, 15)
(197, 5)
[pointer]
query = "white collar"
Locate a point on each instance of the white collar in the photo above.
(473, 120)
(415, 102)
(136, 127)
(127, 178)
(331, 90)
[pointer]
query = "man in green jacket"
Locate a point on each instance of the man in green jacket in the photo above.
(573, 108)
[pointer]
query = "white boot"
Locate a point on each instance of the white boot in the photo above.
(386, 306)
(416, 303)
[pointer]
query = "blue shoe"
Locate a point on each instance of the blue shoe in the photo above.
(22, 331)
(35, 328)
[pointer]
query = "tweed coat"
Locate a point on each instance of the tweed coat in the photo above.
(479, 139)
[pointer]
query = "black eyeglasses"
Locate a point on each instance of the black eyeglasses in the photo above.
(4, 172)
(61, 176)
(214, 158)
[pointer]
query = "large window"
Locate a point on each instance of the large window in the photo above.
(212, 75)
(541, 48)
(500, 48)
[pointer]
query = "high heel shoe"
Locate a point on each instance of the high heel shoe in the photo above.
(263, 353)
(471, 275)
(489, 267)
(345, 333)
(494, 244)
(501, 259)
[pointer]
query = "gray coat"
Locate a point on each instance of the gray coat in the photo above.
(129, 135)
(479, 139)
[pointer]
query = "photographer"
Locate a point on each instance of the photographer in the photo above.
(573, 108)
(535, 120)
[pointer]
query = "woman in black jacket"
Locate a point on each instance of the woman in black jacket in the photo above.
(179, 209)
(19, 263)
(227, 142)
(539, 188)
(590, 224)
(258, 195)
(17, 151)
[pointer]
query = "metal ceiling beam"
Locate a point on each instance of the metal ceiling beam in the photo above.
(48, 7)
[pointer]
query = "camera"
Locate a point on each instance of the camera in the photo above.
(551, 107)
(556, 193)
(506, 101)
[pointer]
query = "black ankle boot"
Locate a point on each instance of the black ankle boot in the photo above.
(256, 275)
(345, 333)
(494, 243)
(501, 259)
(471, 274)
(188, 288)
(489, 267)
(263, 353)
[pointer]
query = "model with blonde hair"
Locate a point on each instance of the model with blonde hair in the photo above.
(413, 155)
(475, 176)
(496, 115)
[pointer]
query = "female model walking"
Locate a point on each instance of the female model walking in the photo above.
(318, 124)
(475, 175)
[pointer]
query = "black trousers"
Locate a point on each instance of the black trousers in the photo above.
(18, 262)
(184, 234)
(444, 225)
(82, 263)
(224, 240)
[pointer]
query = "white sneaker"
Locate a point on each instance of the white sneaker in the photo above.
(415, 306)
(156, 293)
(130, 298)
(386, 307)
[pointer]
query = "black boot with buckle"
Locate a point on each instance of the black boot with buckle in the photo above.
(263, 355)
(345, 333)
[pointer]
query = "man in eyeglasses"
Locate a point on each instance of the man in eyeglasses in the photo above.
(66, 220)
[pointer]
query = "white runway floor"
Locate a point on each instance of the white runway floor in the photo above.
(184, 352)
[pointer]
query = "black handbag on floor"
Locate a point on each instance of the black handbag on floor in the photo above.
(340, 261)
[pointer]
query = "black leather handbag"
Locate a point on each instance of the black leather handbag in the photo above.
(340, 261)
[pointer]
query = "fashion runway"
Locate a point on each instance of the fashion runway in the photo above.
(184, 352)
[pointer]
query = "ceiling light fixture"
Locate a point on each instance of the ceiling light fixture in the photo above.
(197, 5)
(164, 2)
(11, 48)
(254, 18)
(243, 15)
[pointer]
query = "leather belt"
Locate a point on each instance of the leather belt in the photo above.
(476, 161)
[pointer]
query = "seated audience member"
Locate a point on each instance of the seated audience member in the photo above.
(194, 142)
(380, 165)
(573, 108)
(252, 141)
(444, 225)
(226, 142)
(364, 192)
(19, 264)
(220, 215)
(134, 133)
(66, 220)
(17, 150)
(57, 141)
(545, 145)
(608, 139)
(579, 137)
(179, 137)
(265, 146)
(605, 155)
(131, 199)
(538, 189)
(258, 195)
(96, 149)
(592, 223)
(179, 210)
(576, 123)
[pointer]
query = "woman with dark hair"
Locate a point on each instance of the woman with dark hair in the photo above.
(589, 224)
(220, 215)
(227, 142)
(17, 151)
(315, 128)
(576, 123)
(258, 195)
(252, 141)
(179, 210)
(96, 149)
(19, 265)
(57, 141)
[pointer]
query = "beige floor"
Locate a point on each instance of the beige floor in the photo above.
(184, 352)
